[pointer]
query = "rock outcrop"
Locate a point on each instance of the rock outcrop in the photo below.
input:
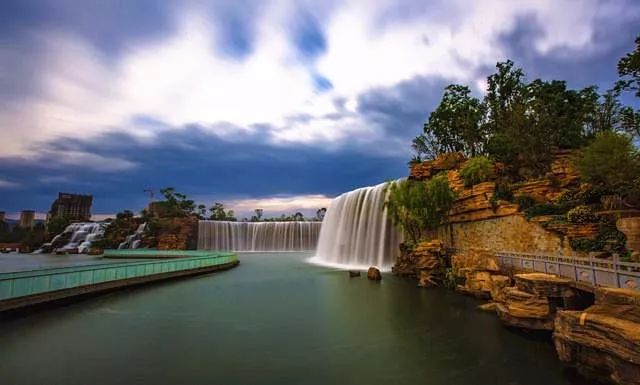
(604, 339)
(533, 301)
(477, 267)
(423, 263)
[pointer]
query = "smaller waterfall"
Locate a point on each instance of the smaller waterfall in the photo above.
(79, 236)
(132, 241)
(356, 232)
(258, 236)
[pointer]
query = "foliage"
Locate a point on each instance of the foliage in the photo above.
(608, 239)
(611, 162)
(417, 206)
(524, 201)
(174, 205)
(518, 123)
(582, 214)
(629, 71)
(126, 214)
(544, 209)
(455, 125)
(476, 170)
(218, 213)
(258, 216)
(320, 213)
(56, 225)
(629, 80)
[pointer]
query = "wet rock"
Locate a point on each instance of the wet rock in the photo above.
(604, 339)
(426, 279)
(491, 306)
(353, 274)
(374, 274)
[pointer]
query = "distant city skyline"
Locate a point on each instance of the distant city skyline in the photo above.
(259, 104)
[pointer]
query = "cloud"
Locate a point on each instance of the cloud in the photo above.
(178, 78)
(276, 205)
(7, 184)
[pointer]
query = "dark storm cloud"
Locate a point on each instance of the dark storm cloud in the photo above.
(195, 162)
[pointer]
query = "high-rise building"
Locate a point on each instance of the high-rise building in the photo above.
(26, 218)
(73, 206)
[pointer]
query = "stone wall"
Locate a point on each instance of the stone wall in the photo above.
(508, 233)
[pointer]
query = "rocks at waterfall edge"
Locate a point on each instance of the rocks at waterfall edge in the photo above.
(374, 274)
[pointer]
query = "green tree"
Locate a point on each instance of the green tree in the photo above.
(629, 71)
(55, 225)
(258, 215)
(320, 213)
(454, 126)
(175, 204)
(218, 213)
(611, 162)
(417, 206)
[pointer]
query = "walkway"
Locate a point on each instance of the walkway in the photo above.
(23, 288)
(587, 273)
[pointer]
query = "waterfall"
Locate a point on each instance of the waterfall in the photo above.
(356, 232)
(80, 236)
(132, 241)
(258, 236)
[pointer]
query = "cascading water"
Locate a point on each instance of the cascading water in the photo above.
(258, 236)
(80, 236)
(132, 241)
(356, 232)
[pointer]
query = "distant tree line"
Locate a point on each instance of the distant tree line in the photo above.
(176, 204)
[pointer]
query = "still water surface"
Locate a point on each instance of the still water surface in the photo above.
(273, 320)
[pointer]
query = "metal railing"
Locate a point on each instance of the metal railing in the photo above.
(590, 271)
(25, 283)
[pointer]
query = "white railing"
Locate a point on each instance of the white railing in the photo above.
(591, 271)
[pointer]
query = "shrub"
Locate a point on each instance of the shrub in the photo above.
(582, 214)
(524, 201)
(544, 209)
(610, 162)
(476, 170)
(608, 238)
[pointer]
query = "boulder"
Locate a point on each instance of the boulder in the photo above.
(525, 310)
(604, 339)
(374, 274)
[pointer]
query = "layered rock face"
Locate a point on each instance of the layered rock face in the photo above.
(423, 263)
(476, 267)
(604, 339)
(177, 234)
(533, 301)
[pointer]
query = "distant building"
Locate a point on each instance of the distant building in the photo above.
(26, 218)
(2, 216)
(73, 206)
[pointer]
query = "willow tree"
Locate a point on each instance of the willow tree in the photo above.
(417, 206)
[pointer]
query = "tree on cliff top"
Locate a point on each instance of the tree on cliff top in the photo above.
(454, 126)
(629, 73)
(417, 206)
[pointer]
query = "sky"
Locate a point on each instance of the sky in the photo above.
(280, 105)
